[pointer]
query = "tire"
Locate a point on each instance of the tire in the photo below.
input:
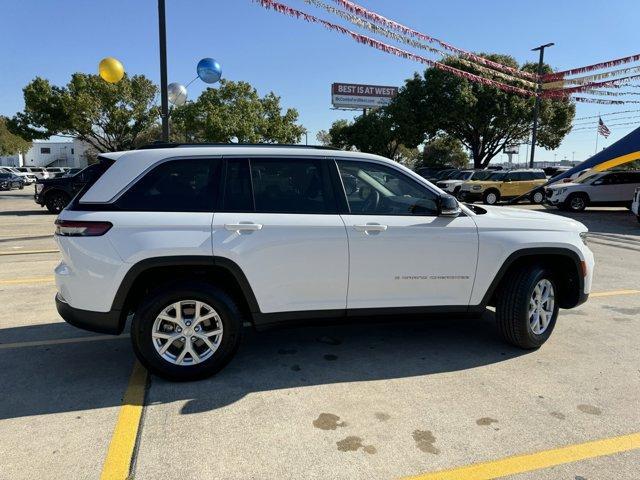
(576, 202)
(56, 201)
(638, 217)
(512, 308)
(146, 347)
(21, 187)
(456, 192)
(491, 197)
(537, 197)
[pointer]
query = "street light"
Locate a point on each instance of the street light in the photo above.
(164, 95)
(536, 106)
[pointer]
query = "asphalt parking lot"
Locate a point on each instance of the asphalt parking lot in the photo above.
(386, 400)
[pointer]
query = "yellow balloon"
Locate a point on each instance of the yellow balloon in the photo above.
(111, 70)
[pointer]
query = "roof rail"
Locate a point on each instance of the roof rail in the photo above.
(271, 145)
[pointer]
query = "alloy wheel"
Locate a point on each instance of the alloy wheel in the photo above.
(541, 306)
(187, 332)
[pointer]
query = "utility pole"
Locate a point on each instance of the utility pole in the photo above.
(536, 106)
(164, 96)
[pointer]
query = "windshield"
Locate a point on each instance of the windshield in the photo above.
(482, 175)
(587, 177)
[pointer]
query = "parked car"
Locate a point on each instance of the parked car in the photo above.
(39, 172)
(194, 241)
(28, 178)
(607, 189)
(429, 172)
(453, 184)
(9, 181)
(503, 185)
(56, 193)
(635, 204)
(443, 174)
(553, 171)
(56, 171)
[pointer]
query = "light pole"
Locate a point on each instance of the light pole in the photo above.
(164, 96)
(536, 106)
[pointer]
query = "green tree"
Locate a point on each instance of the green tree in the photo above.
(444, 151)
(483, 118)
(10, 143)
(235, 112)
(107, 116)
(374, 132)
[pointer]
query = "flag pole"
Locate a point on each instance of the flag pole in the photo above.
(597, 130)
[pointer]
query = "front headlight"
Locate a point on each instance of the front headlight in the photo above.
(583, 237)
(39, 187)
(562, 190)
(477, 187)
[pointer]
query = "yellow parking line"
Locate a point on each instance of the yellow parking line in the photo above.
(117, 465)
(28, 252)
(20, 281)
(60, 341)
(536, 461)
(614, 293)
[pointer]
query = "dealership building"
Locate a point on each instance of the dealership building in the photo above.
(47, 153)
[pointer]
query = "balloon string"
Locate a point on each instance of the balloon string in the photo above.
(192, 81)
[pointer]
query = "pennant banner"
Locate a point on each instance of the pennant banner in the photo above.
(603, 101)
(588, 78)
(608, 114)
(379, 19)
(550, 77)
(372, 27)
(589, 86)
(284, 9)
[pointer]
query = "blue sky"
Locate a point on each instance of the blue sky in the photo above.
(299, 61)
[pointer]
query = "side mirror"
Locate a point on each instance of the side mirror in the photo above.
(449, 206)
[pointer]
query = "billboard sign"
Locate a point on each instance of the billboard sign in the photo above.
(353, 95)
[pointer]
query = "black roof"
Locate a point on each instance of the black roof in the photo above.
(272, 145)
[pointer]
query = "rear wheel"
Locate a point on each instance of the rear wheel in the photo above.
(186, 331)
(491, 197)
(537, 196)
(526, 310)
(56, 201)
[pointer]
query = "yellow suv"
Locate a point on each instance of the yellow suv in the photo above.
(503, 185)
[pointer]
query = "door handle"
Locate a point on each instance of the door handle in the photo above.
(370, 227)
(243, 227)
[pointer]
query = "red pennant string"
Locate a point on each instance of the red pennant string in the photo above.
(597, 66)
(374, 17)
(604, 102)
(284, 9)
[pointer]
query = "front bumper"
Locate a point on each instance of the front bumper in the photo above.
(101, 322)
(469, 196)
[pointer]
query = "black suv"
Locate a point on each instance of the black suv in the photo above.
(56, 193)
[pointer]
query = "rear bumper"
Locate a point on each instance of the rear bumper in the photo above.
(101, 322)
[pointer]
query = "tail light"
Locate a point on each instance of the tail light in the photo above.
(68, 228)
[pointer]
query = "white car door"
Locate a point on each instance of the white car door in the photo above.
(606, 188)
(401, 253)
(279, 223)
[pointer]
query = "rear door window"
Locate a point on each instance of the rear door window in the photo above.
(291, 185)
(175, 186)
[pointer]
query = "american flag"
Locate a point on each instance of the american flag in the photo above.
(602, 129)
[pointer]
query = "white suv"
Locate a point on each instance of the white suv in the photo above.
(193, 241)
(598, 189)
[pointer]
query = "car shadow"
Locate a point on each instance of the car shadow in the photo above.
(597, 220)
(90, 375)
(22, 213)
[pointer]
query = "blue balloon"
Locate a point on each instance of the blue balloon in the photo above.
(209, 70)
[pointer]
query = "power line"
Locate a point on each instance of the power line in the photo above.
(607, 114)
(594, 122)
(612, 125)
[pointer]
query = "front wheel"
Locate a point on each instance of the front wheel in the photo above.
(186, 331)
(576, 202)
(526, 310)
(491, 197)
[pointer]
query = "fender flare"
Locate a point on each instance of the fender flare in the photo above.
(529, 252)
(140, 267)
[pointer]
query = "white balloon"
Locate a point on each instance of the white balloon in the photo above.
(177, 93)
